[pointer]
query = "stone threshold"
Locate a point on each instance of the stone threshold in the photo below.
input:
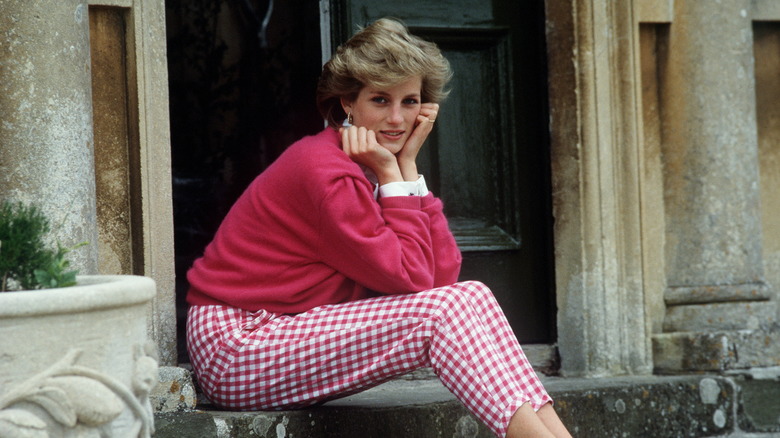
(738, 404)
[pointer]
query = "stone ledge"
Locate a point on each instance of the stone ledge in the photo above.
(680, 406)
(715, 352)
(652, 406)
(175, 391)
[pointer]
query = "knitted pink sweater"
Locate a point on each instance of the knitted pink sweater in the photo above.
(309, 232)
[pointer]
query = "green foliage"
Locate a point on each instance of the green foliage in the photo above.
(56, 273)
(25, 260)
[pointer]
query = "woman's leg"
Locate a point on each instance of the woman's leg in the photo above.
(526, 423)
(264, 361)
(261, 360)
(551, 420)
(480, 360)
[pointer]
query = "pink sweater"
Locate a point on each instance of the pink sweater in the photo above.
(309, 232)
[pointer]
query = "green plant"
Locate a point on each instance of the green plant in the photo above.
(56, 273)
(25, 260)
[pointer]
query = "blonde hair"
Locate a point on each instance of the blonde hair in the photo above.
(381, 55)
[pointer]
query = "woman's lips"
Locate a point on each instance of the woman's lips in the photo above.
(395, 135)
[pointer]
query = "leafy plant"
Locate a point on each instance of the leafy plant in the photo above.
(25, 260)
(56, 273)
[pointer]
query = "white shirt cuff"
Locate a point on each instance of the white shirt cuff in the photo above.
(404, 188)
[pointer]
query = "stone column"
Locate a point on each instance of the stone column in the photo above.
(718, 310)
(46, 145)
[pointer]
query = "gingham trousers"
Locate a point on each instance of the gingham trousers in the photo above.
(262, 361)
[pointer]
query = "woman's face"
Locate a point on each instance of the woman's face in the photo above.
(390, 112)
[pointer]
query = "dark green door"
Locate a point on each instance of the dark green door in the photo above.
(488, 157)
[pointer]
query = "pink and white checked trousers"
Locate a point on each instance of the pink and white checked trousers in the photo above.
(261, 360)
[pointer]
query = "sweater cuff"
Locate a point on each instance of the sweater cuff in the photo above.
(405, 202)
(430, 202)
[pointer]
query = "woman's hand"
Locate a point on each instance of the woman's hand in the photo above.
(407, 157)
(361, 146)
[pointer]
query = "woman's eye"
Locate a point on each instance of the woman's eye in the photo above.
(411, 101)
(379, 99)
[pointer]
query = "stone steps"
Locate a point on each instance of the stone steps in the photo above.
(736, 405)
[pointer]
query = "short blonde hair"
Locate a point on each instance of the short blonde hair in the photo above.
(381, 55)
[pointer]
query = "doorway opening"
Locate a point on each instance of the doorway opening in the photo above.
(243, 76)
(242, 80)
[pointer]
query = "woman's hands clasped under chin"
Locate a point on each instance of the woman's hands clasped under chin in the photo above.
(362, 146)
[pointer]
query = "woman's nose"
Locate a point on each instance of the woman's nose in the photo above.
(395, 115)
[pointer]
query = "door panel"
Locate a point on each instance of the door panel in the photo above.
(471, 165)
(487, 157)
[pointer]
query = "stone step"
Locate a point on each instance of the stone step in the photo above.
(737, 405)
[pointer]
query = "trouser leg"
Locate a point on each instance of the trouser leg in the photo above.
(477, 356)
(269, 362)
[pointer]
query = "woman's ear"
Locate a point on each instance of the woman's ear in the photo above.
(346, 105)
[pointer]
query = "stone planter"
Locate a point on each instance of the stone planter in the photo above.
(76, 362)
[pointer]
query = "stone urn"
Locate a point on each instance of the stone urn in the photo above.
(76, 362)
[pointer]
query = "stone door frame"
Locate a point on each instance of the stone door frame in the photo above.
(595, 126)
(147, 90)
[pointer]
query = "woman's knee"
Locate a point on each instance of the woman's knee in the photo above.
(475, 290)
(474, 285)
(461, 295)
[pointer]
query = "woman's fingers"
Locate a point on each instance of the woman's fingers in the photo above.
(371, 138)
(429, 111)
(351, 140)
(424, 127)
(361, 145)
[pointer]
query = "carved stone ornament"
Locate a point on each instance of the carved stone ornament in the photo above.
(77, 362)
(70, 400)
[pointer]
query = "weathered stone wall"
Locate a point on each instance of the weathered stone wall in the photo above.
(46, 145)
(716, 288)
(689, 88)
(48, 149)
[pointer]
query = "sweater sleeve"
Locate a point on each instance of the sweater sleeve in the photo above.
(448, 258)
(385, 246)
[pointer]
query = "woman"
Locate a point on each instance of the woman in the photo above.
(336, 269)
